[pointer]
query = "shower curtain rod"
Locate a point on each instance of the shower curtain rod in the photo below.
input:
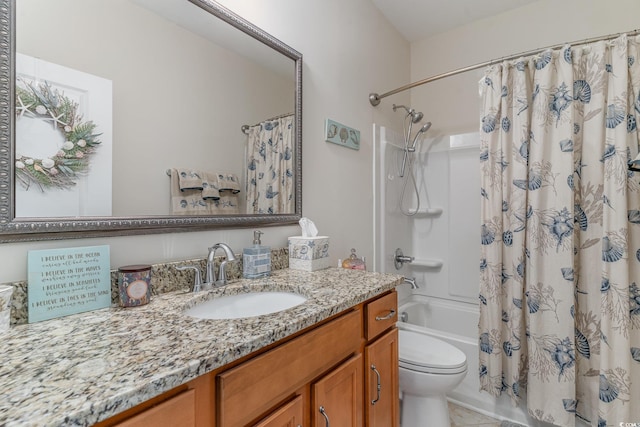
(374, 98)
(245, 128)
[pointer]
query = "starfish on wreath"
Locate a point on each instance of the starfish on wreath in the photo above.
(21, 109)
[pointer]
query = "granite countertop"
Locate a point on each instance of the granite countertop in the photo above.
(81, 369)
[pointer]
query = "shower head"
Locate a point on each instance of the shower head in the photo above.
(416, 116)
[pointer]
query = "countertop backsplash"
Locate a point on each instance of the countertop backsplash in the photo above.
(164, 278)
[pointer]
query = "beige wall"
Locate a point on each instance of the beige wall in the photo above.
(452, 103)
(349, 50)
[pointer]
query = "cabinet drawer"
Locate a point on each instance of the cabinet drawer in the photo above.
(178, 411)
(254, 387)
(381, 314)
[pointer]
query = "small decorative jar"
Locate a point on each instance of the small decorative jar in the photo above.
(353, 262)
(134, 285)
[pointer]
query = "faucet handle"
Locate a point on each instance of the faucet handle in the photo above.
(222, 273)
(197, 283)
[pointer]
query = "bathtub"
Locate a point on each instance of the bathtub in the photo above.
(457, 324)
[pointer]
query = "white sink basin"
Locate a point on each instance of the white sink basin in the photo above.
(245, 305)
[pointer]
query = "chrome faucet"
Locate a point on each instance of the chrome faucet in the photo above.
(210, 274)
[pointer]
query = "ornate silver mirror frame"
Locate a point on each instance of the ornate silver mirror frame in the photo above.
(14, 229)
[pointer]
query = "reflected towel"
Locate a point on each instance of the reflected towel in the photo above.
(189, 179)
(210, 186)
(187, 202)
(228, 182)
(227, 205)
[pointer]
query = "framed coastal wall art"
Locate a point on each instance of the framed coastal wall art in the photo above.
(340, 134)
(63, 141)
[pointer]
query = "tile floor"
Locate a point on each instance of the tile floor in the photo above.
(463, 417)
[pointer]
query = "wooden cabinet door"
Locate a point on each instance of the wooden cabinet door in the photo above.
(288, 415)
(337, 397)
(381, 384)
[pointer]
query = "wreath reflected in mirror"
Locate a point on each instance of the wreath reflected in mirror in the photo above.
(72, 159)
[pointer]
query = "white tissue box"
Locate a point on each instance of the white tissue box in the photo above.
(309, 253)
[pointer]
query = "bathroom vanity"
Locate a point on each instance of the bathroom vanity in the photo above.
(332, 359)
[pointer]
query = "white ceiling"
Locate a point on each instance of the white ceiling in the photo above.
(420, 19)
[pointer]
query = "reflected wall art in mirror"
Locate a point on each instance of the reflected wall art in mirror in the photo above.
(144, 116)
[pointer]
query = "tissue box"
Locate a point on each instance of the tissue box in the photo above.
(309, 253)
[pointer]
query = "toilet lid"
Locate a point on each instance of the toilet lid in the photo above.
(423, 353)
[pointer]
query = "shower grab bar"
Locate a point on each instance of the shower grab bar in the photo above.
(428, 263)
(429, 212)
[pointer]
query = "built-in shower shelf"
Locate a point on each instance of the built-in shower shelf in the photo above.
(427, 263)
(429, 212)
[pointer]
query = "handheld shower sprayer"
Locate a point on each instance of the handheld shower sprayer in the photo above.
(407, 161)
(425, 127)
(415, 117)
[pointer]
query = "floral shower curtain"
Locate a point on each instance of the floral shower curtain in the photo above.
(270, 167)
(560, 263)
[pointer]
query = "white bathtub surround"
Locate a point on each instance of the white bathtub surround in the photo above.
(447, 300)
(560, 234)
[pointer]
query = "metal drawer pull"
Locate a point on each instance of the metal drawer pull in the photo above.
(373, 368)
(391, 314)
(324, 414)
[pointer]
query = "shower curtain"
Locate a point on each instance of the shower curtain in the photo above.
(270, 167)
(560, 227)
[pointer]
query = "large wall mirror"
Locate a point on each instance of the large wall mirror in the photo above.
(144, 116)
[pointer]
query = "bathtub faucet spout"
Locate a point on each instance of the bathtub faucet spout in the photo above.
(411, 281)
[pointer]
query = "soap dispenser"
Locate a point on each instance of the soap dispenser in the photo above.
(256, 260)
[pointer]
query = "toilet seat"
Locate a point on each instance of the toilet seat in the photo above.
(422, 353)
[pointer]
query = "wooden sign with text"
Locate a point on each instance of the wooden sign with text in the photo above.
(68, 281)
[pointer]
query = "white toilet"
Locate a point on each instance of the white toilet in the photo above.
(429, 369)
